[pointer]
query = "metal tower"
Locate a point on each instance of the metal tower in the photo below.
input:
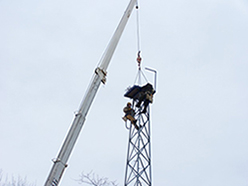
(138, 167)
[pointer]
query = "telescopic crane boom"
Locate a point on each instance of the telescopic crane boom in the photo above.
(60, 163)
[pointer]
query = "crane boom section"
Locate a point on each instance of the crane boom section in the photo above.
(60, 163)
(116, 37)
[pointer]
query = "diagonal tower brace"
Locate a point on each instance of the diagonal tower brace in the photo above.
(138, 167)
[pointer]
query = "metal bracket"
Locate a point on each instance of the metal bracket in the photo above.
(155, 76)
(59, 161)
(102, 74)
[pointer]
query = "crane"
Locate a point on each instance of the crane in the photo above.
(60, 163)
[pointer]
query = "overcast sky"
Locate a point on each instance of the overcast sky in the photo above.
(48, 53)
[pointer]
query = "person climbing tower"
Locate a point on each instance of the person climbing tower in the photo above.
(145, 95)
(129, 115)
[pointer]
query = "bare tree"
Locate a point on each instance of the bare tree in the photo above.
(95, 180)
(14, 181)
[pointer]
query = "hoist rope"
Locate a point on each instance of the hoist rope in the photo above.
(138, 26)
(140, 73)
(138, 36)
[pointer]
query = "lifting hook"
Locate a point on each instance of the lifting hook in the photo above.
(139, 59)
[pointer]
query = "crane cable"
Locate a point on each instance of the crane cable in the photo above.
(140, 73)
(138, 26)
(138, 35)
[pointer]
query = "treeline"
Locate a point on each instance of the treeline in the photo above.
(5, 180)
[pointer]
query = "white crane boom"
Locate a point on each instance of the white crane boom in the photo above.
(60, 163)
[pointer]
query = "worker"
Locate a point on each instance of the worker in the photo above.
(145, 95)
(129, 115)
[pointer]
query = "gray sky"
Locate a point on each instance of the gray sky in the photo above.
(48, 53)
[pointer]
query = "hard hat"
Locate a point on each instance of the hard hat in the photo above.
(129, 103)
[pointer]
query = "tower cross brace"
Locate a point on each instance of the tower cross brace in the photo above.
(138, 166)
